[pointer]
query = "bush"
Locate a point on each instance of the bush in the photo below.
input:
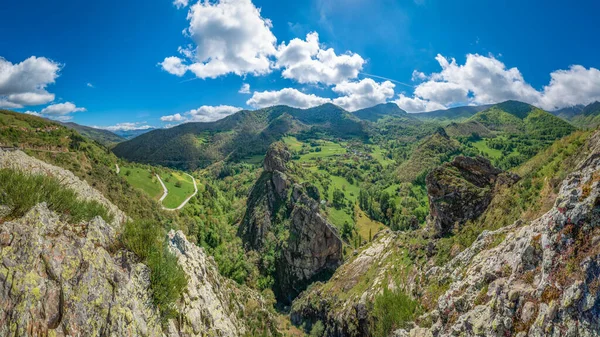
(392, 310)
(178, 184)
(21, 192)
(318, 329)
(167, 279)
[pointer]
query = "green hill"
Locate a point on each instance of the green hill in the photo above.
(238, 137)
(103, 137)
(584, 117)
(380, 111)
(460, 113)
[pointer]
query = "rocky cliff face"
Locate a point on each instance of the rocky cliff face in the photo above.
(462, 190)
(313, 249)
(62, 279)
(541, 280)
(211, 304)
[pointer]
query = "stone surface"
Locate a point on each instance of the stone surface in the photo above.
(461, 190)
(61, 280)
(211, 304)
(542, 279)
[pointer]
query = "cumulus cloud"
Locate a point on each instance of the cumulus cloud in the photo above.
(174, 65)
(89, 85)
(205, 113)
(418, 76)
(577, 85)
(363, 94)
(416, 104)
(245, 89)
(61, 109)
(485, 79)
(180, 3)
(60, 112)
(306, 62)
(127, 126)
(288, 96)
(230, 36)
(25, 83)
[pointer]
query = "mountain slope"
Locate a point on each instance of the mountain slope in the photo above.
(238, 136)
(102, 136)
(585, 117)
(380, 111)
(452, 114)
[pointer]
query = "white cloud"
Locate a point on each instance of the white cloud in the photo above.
(180, 3)
(174, 65)
(577, 85)
(363, 94)
(61, 109)
(416, 104)
(204, 113)
(172, 118)
(245, 89)
(25, 83)
(485, 79)
(418, 76)
(287, 96)
(127, 126)
(89, 85)
(306, 62)
(60, 112)
(230, 37)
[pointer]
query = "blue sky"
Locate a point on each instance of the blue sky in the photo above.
(104, 63)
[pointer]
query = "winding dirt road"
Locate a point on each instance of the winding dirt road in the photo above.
(166, 192)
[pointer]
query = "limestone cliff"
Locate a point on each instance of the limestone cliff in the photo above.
(462, 190)
(311, 249)
(65, 279)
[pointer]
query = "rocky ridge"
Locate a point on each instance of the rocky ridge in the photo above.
(541, 280)
(61, 279)
(313, 248)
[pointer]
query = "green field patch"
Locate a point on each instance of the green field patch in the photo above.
(483, 147)
(379, 155)
(143, 179)
(180, 187)
(323, 150)
(366, 227)
(254, 160)
(292, 143)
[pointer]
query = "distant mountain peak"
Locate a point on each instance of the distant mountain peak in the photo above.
(379, 111)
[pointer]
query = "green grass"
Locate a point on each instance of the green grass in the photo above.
(366, 227)
(393, 310)
(176, 195)
(483, 147)
(167, 279)
(292, 143)
(379, 155)
(328, 149)
(21, 192)
(254, 160)
(141, 178)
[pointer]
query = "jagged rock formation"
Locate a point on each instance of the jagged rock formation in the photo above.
(541, 280)
(313, 249)
(212, 304)
(59, 279)
(20, 161)
(337, 303)
(462, 190)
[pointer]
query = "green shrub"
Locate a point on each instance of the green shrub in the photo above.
(392, 310)
(167, 279)
(21, 192)
(318, 329)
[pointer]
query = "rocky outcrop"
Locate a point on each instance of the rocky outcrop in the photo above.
(345, 310)
(57, 279)
(18, 160)
(212, 304)
(462, 190)
(541, 280)
(267, 197)
(312, 249)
